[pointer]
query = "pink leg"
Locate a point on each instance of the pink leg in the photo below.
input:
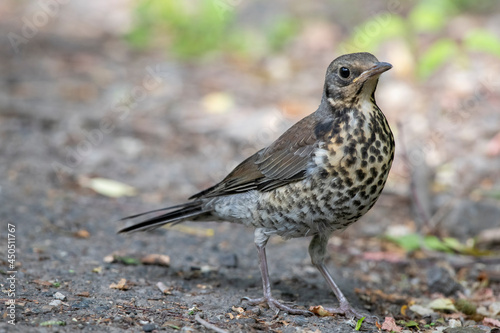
(260, 242)
(317, 250)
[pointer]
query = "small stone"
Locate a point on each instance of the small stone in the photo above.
(60, 296)
(494, 308)
(228, 260)
(55, 302)
(46, 308)
(187, 329)
(84, 303)
(149, 327)
(299, 320)
(439, 280)
(454, 323)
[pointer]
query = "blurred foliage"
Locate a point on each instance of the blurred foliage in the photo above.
(426, 18)
(204, 27)
(416, 241)
(198, 28)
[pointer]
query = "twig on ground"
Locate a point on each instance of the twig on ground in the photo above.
(163, 288)
(208, 325)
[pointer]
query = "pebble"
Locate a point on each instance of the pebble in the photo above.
(55, 302)
(60, 296)
(228, 260)
(455, 323)
(299, 320)
(84, 303)
(439, 280)
(46, 308)
(149, 327)
(494, 308)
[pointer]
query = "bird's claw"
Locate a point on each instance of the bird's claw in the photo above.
(349, 312)
(276, 306)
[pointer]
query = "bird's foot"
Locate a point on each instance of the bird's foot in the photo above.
(349, 312)
(276, 306)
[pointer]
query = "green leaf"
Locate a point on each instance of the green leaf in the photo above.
(358, 323)
(410, 242)
(369, 35)
(484, 41)
(412, 323)
(431, 15)
(53, 323)
(435, 56)
(434, 243)
(128, 260)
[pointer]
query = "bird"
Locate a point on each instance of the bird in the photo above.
(318, 177)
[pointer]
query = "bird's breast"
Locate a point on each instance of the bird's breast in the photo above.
(350, 167)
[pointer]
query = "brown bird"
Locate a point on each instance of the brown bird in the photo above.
(321, 175)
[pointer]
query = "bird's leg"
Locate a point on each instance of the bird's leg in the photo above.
(317, 251)
(260, 241)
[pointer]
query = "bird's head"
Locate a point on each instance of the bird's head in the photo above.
(352, 78)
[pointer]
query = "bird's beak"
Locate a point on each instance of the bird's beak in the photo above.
(376, 70)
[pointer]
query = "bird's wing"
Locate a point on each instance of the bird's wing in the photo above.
(283, 162)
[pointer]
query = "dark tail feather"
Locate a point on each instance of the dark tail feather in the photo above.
(185, 211)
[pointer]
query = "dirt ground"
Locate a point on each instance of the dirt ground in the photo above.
(78, 104)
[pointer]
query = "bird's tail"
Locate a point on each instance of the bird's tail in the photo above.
(176, 214)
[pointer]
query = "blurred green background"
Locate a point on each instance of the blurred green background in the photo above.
(191, 30)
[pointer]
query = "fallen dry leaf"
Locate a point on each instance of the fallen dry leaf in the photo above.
(164, 289)
(107, 187)
(121, 285)
(43, 283)
(319, 310)
(156, 259)
(491, 322)
(82, 234)
(83, 294)
(403, 310)
(390, 325)
(377, 294)
(237, 309)
(484, 295)
(421, 310)
(97, 270)
(443, 304)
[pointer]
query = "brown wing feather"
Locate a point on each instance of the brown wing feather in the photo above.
(284, 161)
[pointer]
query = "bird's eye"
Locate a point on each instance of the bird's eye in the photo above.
(344, 72)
